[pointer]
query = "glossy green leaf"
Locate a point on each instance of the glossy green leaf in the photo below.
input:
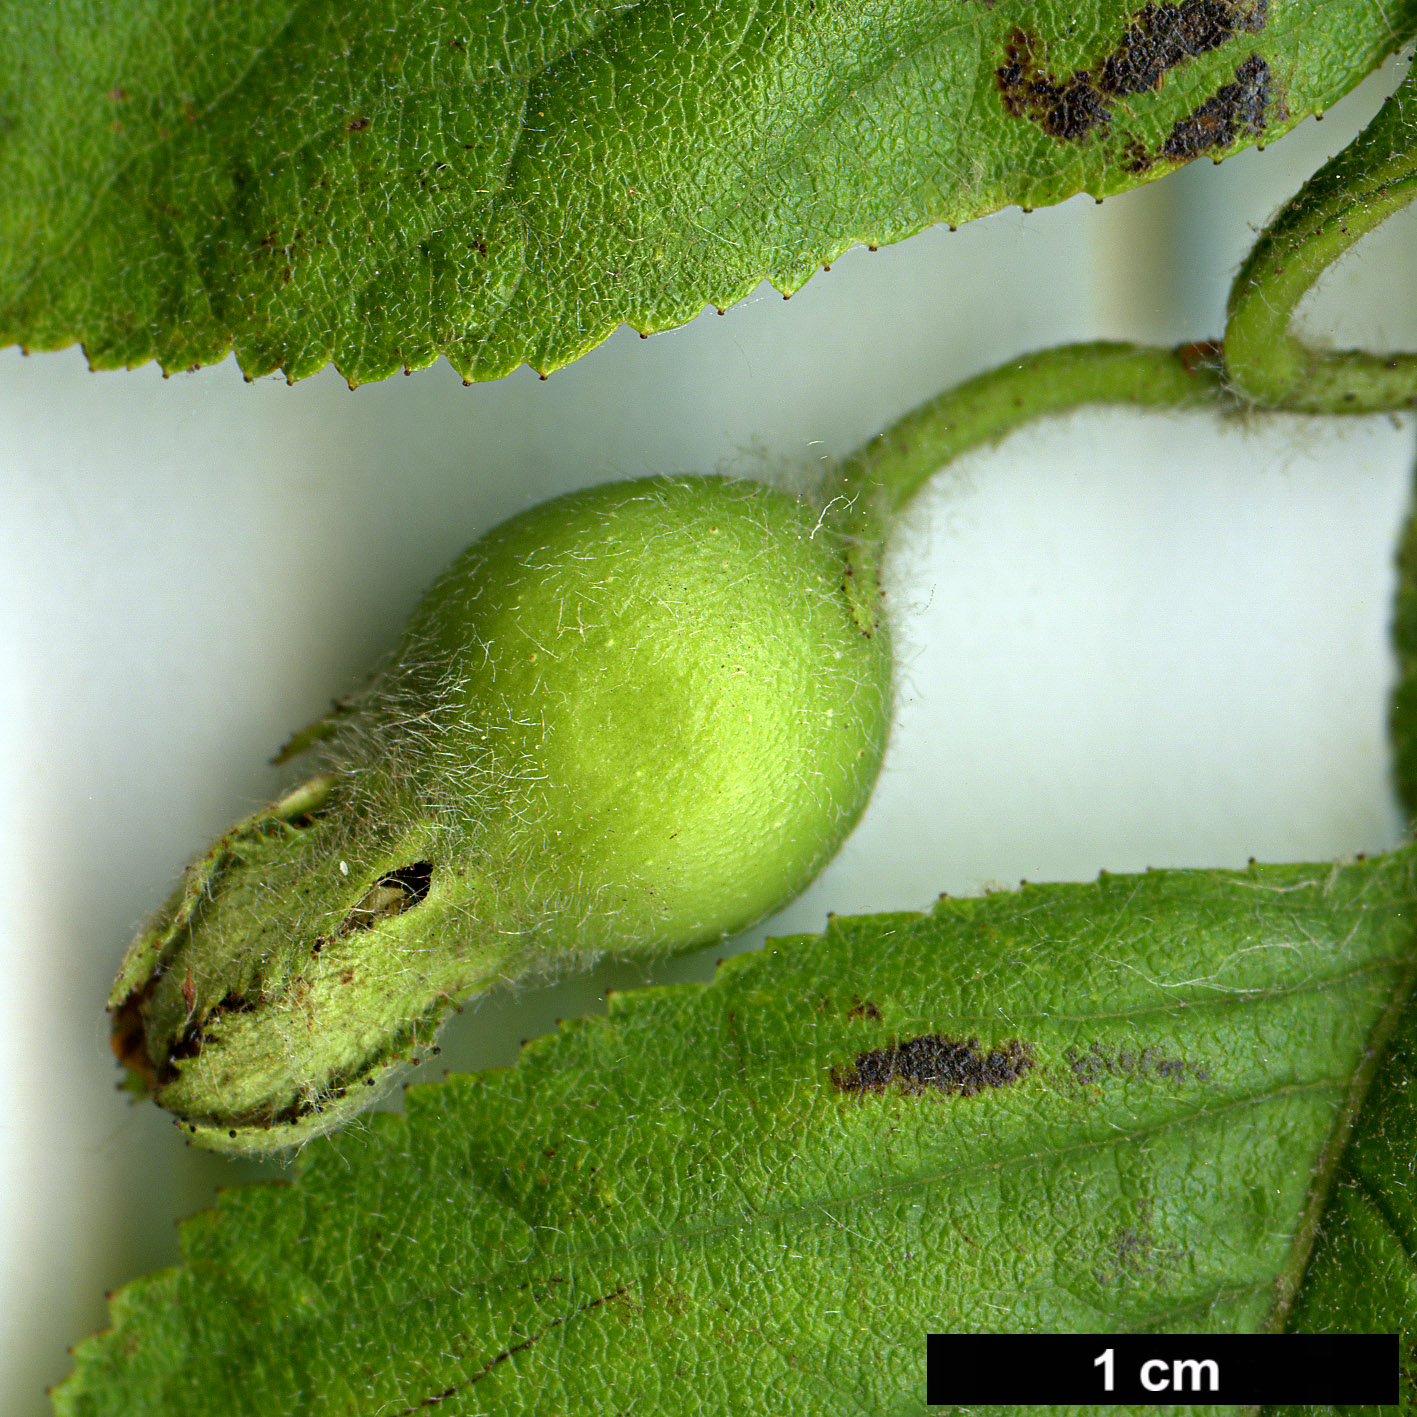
(1119, 1106)
(380, 184)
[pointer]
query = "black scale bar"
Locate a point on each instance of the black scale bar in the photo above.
(962, 1370)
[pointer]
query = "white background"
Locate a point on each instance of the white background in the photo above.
(1126, 640)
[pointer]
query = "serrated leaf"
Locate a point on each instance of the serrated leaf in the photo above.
(378, 185)
(1119, 1106)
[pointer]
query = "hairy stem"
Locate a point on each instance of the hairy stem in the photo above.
(1261, 365)
(1374, 177)
(882, 476)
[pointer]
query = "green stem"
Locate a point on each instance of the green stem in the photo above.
(1374, 177)
(882, 476)
(1264, 366)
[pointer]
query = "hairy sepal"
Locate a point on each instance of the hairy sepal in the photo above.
(634, 720)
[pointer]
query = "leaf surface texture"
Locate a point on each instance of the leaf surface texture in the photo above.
(1122, 1106)
(376, 185)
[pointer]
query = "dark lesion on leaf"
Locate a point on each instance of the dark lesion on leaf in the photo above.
(1156, 40)
(453, 1393)
(1133, 1255)
(1242, 108)
(1098, 1065)
(1239, 108)
(1163, 36)
(128, 1035)
(934, 1063)
(1066, 109)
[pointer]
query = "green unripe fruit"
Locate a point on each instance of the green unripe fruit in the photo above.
(634, 719)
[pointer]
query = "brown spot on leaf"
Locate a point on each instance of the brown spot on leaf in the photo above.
(1133, 1255)
(128, 1034)
(1160, 37)
(1163, 36)
(1237, 109)
(1066, 109)
(934, 1063)
(1098, 1064)
(864, 1008)
(1201, 354)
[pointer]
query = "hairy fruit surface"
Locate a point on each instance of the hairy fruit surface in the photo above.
(634, 719)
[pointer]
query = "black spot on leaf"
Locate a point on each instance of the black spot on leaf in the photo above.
(1160, 37)
(1067, 109)
(1163, 36)
(1135, 157)
(1237, 109)
(1132, 1255)
(934, 1063)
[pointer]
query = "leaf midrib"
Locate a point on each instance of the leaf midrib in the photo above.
(1330, 1162)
